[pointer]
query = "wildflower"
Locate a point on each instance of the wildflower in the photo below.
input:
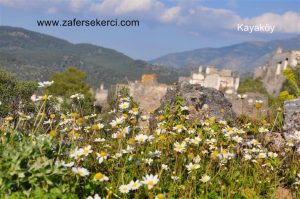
(160, 196)
(247, 157)
(117, 155)
(87, 150)
(155, 153)
(53, 133)
(237, 139)
(262, 155)
(150, 180)
(180, 147)
(263, 130)
(124, 188)
(45, 83)
(205, 178)
(223, 122)
(272, 155)
(101, 156)
(195, 140)
(124, 105)
(191, 131)
(197, 159)
(159, 131)
(165, 167)
(96, 196)
(144, 117)
(296, 136)
(141, 138)
(290, 143)
(179, 128)
(77, 96)
(184, 108)
(80, 171)
(191, 167)
(117, 121)
(99, 126)
(99, 140)
(253, 142)
(148, 161)
(134, 111)
(100, 177)
(244, 96)
(70, 164)
(134, 185)
(77, 153)
(258, 104)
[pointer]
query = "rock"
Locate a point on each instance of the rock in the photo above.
(282, 193)
(206, 102)
(291, 118)
(274, 142)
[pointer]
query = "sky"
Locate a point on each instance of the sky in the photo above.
(165, 26)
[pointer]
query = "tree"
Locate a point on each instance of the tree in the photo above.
(15, 95)
(71, 82)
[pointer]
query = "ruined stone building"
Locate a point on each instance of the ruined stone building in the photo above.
(224, 79)
(147, 91)
(272, 73)
(101, 95)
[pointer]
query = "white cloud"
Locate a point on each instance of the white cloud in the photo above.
(78, 5)
(170, 14)
(122, 7)
(187, 14)
(288, 22)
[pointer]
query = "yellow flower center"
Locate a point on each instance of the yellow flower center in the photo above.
(99, 176)
(151, 183)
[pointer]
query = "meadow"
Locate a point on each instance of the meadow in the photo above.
(67, 153)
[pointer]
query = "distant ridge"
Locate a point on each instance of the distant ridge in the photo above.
(242, 57)
(35, 56)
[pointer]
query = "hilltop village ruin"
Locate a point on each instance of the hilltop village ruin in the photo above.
(148, 92)
(271, 74)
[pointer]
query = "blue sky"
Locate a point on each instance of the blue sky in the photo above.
(166, 26)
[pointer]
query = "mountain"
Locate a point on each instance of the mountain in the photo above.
(242, 57)
(35, 56)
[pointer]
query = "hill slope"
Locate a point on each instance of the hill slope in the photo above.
(243, 57)
(34, 56)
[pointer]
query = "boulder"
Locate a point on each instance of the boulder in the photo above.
(274, 142)
(291, 118)
(205, 102)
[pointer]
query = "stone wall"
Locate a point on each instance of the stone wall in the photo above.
(291, 118)
(247, 106)
(148, 96)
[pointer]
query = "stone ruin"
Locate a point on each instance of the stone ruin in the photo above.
(246, 105)
(101, 95)
(224, 80)
(272, 73)
(147, 92)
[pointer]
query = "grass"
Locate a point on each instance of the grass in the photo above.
(116, 155)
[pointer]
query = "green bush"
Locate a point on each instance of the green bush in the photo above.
(252, 85)
(15, 95)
